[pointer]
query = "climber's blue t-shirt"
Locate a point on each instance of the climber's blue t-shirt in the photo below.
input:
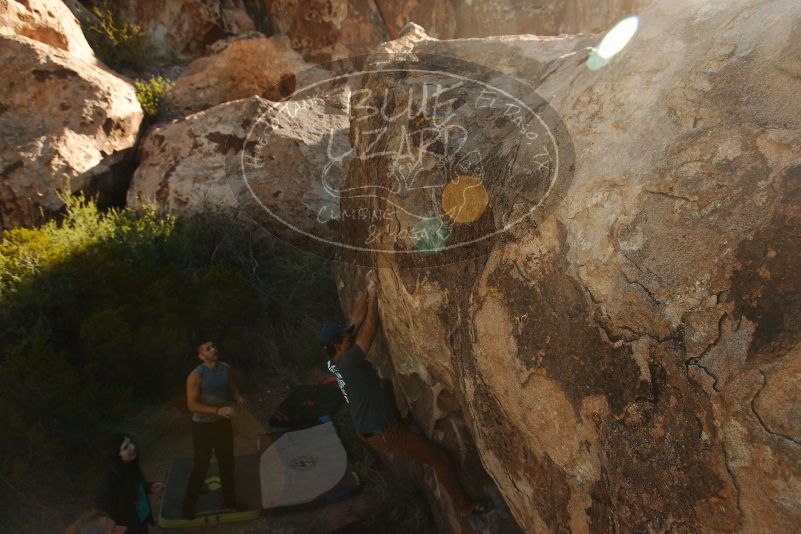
(370, 406)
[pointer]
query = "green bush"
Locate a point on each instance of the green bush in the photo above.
(116, 42)
(153, 95)
(100, 316)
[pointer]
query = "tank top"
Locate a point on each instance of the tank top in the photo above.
(213, 390)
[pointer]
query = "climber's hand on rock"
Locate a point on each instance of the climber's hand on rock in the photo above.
(372, 289)
(372, 282)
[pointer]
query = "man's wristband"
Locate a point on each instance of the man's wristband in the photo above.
(217, 411)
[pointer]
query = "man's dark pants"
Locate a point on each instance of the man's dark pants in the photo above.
(219, 437)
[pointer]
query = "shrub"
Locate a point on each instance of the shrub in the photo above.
(116, 42)
(153, 95)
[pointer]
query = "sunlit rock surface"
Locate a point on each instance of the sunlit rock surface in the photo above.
(64, 116)
(206, 160)
(321, 30)
(49, 22)
(629, 363)
(482, 18)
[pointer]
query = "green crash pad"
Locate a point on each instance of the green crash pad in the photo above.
(209, 509)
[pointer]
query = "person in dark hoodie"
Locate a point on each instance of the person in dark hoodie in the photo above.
(122, 491)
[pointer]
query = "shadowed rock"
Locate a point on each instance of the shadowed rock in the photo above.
(628, 361)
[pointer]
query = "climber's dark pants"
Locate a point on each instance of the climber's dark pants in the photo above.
(400, 439)
(219, 437)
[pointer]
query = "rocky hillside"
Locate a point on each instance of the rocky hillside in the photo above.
(70, 117)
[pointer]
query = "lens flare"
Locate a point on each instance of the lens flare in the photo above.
(464, 199)
(613, 42)
(429, 235)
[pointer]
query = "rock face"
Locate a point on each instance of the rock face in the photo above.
(208, 160)
(51, 23)
(182, 164)
(184, 28)
(436, 17)
(322, 30)
(62, 117)
(445, 19)
(253, 65)
(629, 360)
(483, 18)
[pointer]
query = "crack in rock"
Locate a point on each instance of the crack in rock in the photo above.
(764, 425)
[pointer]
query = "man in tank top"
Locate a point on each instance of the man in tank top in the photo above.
(210, 395)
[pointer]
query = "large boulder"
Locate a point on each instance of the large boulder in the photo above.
(445, 19)
(182, 29)
(261, 158)
(244, 66)
(49, 22)
(64, 119)
(627, 359)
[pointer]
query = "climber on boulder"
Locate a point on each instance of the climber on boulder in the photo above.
(373, 413)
